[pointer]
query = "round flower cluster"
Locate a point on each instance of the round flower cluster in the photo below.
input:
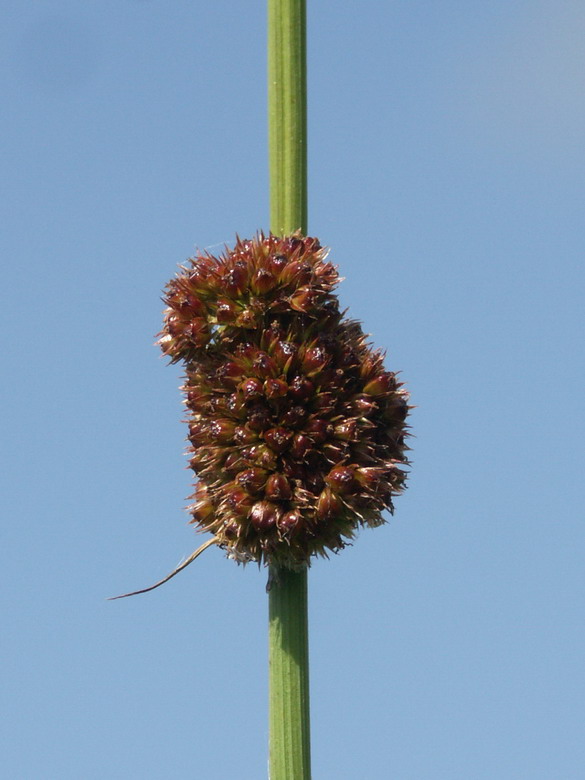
(296, 429)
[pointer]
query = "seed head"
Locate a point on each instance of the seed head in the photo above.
(296, 428)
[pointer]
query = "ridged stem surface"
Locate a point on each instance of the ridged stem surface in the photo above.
(287, 115)
(290, 756)
(290, 753)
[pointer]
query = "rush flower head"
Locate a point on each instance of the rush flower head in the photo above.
(296, 429)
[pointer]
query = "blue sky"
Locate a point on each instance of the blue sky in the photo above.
(447, 174)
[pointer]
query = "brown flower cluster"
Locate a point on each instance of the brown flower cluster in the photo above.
(296, 429)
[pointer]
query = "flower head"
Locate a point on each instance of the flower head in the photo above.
(296, 428)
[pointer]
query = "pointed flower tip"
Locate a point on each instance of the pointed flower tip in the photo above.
(296, 428)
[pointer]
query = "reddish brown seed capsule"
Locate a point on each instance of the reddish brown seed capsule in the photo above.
(231, 530)
(346, 430)
(336, 451)
(252, 480)
(243, 435)
(198, 460)
(294, 416)
(301, 444)
(301, 388)
(325, 403)
(247, 319)
(235, 279)
(226, 311)
(264, 515)
(263, 365)
(293, 246)
(218, 405)
(234, 462)
(234, 404)
(270, 338)
(290, 522)
(363, 406)
(229, 374)
(297, 271)
(314, 360)
(370, 476)
(198, 433)
(197, 398)
(380, 385)
(276, 263)
(275, 388)
(395, 409)
(329, 505)
(203, 507)
(278, 488)
(188, 306)
(252, 389)
(239, 501)
(278, 439)
(175, 325)
(263, 281)
(197, 332)
(264, 456)
(259, 418)
(304, 300)
(222, 431)
(284, 353)
(246, 351)
(341, 479)
(318, 430)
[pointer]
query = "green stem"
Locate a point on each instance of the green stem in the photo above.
(287, 115)
(288, 638)
(290, 756)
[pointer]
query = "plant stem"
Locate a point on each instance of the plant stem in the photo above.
(290, 753)
(287, 115)
(290, 756)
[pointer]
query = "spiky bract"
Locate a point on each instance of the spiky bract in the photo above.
(296, 429)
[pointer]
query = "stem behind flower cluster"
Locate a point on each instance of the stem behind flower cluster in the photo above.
(290, 757)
